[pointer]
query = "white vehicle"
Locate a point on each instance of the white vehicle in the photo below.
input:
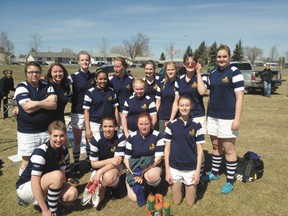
(272, 65)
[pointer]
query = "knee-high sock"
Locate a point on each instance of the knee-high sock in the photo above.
(230, 169)
(76, 154)
(216, 162)
(53, 198)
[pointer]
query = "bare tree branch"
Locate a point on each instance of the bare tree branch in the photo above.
(6, 48)
(35, 42)
(138, 45)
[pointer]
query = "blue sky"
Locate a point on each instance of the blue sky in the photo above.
(81, 24)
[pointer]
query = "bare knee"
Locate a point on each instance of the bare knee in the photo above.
(56, 179)
(110, 179)
(70, 194)
(152, 177)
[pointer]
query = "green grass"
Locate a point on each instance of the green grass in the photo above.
(263, 130)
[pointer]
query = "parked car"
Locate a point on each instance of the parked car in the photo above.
(41, 62)
(106, 68)
(252, 80)
(73, 62)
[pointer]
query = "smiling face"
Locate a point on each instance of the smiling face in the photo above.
(57, 74)
(144, 125)
(184, 106)
(190, 64)
(108, 128)
(57, 138)
(223, 58)
(102, 80)
(84, 62)
(170, 71)
(139, 89)
(149, 70)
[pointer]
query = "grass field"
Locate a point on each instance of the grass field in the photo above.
(263, 130)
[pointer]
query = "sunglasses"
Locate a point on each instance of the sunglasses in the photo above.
(190, 64)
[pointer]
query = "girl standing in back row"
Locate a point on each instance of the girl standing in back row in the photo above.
(226, 85)
(81, 81)
(193, 85)
(165, 95)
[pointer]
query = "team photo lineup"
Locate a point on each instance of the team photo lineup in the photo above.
(148, 131)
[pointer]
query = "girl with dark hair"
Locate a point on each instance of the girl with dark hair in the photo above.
(107, 152)
(99, 101)
(57, 75)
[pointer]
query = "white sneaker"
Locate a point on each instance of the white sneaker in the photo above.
(86, 198)
(95, 196)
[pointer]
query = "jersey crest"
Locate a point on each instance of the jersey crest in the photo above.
(152, 147)
(225, 80)
(113, 149)
(192, 132)
(144, 107)
(194, 85)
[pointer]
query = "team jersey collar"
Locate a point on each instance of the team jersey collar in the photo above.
(144, 137)
(188, 121)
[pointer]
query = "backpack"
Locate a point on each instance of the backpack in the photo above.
(250, 167)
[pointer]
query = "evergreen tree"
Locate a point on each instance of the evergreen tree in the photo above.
(188, 51)
(162, 57)
(201, 53)
(238, 53)
(212, 54)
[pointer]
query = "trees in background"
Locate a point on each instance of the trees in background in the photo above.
(162, 57)
(35, 42)
(103, 46)
(6, 48)
(253, 53)
(212, 54)
(238, 53)
(137, 45)
(120, 50)
(201, 54)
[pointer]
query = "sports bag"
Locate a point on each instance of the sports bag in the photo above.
(250, 167)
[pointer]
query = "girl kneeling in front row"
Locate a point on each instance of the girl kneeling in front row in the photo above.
(183, 153)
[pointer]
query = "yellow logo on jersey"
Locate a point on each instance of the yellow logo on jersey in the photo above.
(192, 132)
(144, 107)
(194, 85)
(152, 147)
(128, 87)
(155, 87)
(110, 98)
(225, 80)
(113, 149)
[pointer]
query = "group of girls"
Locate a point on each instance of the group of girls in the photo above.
(177, 112)
(106, 106)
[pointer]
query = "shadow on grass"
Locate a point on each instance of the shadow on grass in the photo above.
(1, 166)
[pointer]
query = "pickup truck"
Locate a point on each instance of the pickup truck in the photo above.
(252, 80)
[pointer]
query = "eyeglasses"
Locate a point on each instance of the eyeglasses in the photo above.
(33, 72)
(190, 64)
